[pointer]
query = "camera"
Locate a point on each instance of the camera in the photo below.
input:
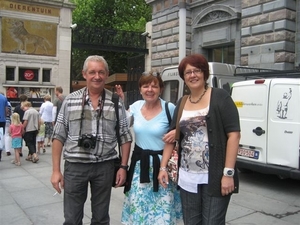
(87, 141)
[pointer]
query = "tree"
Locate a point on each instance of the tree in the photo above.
(129, 15)
(132, 15)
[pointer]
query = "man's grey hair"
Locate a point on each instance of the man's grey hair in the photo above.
(94, 58)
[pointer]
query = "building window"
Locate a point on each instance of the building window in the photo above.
(222, 55)
(10, 73)
(46, 75)
(28, 74)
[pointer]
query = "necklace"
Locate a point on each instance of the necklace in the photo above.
(199, 99)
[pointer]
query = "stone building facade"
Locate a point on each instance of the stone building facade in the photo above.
(35, 48)
(255, 33)
(269, 33)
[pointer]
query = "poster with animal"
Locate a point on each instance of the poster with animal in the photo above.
(28, 37)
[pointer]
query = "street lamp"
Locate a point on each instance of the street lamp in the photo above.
(146, 34)
(73, 26)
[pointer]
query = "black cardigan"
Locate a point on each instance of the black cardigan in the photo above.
(222, 118)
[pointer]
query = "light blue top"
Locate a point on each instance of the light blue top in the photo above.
(149, 133)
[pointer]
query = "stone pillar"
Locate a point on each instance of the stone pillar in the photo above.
(165, 33)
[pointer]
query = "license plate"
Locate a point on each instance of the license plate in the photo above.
(248, 153)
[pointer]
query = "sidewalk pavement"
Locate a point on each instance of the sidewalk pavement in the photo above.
(26, 194)
(26, 197)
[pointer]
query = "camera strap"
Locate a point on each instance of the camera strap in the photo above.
(115, 100)
(99, 110)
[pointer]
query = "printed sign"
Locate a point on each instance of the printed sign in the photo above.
(27, 8)
(28, 74)
(28, 37)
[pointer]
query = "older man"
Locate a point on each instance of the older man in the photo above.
(85, 130)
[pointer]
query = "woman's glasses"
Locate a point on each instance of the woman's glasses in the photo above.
(190, 72)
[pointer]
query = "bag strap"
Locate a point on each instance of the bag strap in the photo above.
(115, 100)
(181, 106)
(168, 112)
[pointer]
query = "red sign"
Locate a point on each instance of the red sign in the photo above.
(28, 74)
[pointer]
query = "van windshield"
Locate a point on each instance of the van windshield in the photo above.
(171, 91)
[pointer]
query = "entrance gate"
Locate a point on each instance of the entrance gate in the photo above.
(136, 66)
(110, 40)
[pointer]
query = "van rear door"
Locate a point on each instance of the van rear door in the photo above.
(283, 123)
(251, 98)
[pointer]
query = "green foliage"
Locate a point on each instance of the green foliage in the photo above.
(128, 15)
(132, 15)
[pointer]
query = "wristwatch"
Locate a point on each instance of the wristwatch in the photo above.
(228, 172)
(124, 167)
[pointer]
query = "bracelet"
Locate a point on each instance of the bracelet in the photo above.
(124, 167)
(163, 169)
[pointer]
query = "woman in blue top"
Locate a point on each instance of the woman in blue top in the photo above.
(146, 202)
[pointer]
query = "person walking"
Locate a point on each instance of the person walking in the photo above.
(85, 133)
(18, 109)
(16, 131)
(40, 138)
(57, 103)
(46, 115)
(7, 138)
(21, 112)
(209, 142)
(145, 201)
(4, 110)
(31, 127)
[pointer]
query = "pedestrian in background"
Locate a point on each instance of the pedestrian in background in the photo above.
(46, 115)
(16, 131)
(18, 108)
(58, 101)
(7, 138)
(40, 138)
(85, 133)
(3, 112)
(145, 201)
(21, 112)
(31, 127)
(209, 142)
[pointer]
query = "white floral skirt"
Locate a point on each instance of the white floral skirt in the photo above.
(142, 206)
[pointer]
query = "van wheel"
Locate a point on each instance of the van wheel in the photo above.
(243, 170)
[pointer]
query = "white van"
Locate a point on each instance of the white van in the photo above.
(221, 76)
(269, 111)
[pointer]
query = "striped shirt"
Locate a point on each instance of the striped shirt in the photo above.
(69, 128)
